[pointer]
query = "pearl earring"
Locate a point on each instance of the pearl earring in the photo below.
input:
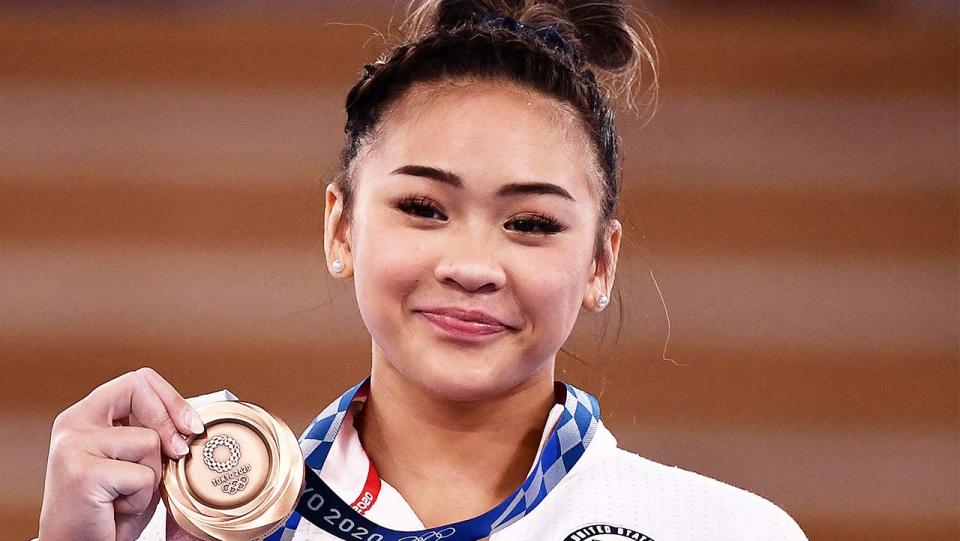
(337, 265)
(602, 301)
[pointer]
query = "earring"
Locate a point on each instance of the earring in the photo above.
(602, 301)
(337, 265)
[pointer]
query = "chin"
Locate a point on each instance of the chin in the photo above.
(460, 382)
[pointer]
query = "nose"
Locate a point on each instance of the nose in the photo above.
(470, 270)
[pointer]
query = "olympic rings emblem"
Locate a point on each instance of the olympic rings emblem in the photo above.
(235, 485)
(435, 535)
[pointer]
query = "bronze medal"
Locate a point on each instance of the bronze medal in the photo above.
(242, 478)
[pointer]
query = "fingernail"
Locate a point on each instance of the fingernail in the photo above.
(179, 446)
(193, 421)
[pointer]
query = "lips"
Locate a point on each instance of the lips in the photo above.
(465, 322)
(460, 328)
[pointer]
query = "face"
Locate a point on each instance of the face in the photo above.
(471, 238)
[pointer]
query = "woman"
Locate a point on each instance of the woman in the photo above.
(474, 212)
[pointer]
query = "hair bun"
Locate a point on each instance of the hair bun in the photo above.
(603, 32)
(598, 28)
(451, 13)
(608, 35)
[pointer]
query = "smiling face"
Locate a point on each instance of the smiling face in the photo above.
(475, 202)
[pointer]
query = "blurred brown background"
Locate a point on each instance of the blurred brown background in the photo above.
(795, 197)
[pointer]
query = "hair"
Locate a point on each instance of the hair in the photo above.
(591, 56)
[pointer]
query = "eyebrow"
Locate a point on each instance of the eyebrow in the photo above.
(513, 188)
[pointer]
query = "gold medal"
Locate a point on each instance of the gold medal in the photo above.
(242, 478)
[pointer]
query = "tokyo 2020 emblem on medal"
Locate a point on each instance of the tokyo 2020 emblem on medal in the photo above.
(242, 478)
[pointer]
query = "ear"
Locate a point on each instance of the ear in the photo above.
(336, 233)
(602, 275)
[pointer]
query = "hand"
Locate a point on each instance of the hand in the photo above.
(103, 475)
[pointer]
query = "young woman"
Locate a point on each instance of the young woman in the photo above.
(475, 214)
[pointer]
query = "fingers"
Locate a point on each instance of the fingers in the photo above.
(152, 400)
(132, 444)
(179, 409)
(147, 407)
(128, 485)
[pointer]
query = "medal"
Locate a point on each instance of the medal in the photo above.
(242, 478)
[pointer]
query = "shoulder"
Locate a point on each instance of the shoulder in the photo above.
(670, 501)
(696, 494)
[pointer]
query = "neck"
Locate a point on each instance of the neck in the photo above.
(452, 460)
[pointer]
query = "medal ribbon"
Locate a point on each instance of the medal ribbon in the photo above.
(320, 505)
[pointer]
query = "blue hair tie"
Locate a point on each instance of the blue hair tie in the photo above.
(546, 34)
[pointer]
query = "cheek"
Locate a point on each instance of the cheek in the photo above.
(388, 265)
(550, 285)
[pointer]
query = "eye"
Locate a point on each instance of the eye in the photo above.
(536, 224)
(421, 207)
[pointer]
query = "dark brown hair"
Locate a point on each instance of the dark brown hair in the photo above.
(599, 57)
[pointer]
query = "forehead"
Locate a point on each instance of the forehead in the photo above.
(489, 131)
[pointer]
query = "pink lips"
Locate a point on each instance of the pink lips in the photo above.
(466, 324)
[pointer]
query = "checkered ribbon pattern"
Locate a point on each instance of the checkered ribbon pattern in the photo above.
(564, 447)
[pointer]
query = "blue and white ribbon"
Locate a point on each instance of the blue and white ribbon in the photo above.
(320, 505)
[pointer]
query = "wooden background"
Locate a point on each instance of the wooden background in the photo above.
(795, 197)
